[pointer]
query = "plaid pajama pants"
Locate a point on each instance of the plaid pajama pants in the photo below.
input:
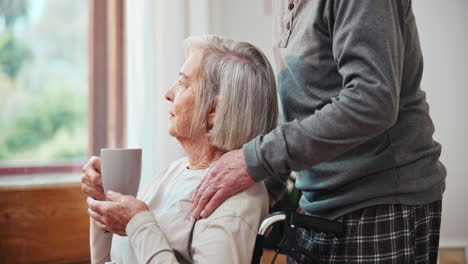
(380, 234)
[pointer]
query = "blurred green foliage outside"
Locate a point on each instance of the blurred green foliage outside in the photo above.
(43, 92)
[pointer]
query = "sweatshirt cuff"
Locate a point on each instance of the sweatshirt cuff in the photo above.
(255, 164)
(138, 221)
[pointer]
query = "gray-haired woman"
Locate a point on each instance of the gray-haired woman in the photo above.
(224, 97)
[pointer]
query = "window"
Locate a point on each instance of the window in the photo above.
(61, 94)
(43, 86)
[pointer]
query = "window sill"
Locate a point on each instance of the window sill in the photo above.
(39, 179)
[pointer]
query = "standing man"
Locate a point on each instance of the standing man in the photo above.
(357, 129)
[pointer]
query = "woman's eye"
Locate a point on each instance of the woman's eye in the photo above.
(182, 84)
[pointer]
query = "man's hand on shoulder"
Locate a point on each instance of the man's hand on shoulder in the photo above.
(226, 177)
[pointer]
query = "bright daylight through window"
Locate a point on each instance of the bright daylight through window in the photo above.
(43, 83)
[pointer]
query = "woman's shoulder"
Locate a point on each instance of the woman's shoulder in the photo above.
(254, 197)
(250, 205)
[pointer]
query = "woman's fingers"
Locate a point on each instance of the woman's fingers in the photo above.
(91, 180)
(96, 163)
(96, 217)
(101, 226)
(88, 164)
(92, 169)
(100, 207)
(86, 180)
(116, 213)
(100, 221)
(94, 177)
(97, 194)
(89, 188)
(93, 162)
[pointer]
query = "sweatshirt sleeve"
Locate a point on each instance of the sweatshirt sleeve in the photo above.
(100, 244)
(148, 241)
(225, 239)
(368, 41)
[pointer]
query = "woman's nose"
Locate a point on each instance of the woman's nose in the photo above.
(169, 95)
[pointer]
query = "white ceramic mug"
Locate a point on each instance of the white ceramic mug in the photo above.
(121, 170)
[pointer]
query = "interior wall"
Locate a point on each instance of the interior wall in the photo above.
(243, 20)
(444, 40)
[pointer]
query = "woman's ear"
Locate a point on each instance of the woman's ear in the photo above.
(212, 113)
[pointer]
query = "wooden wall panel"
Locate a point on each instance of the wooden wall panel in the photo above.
(44, 224)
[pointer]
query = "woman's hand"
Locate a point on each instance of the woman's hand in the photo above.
(114, 215)
(91, 180)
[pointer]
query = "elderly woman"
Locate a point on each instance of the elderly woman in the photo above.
(225, 96)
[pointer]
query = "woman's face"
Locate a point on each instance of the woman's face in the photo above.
(182, 96)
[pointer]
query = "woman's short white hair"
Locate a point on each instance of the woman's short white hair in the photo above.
(237, 79)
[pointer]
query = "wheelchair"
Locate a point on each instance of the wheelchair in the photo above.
(287, 223)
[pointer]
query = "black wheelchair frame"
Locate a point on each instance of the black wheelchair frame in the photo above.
(291, 221)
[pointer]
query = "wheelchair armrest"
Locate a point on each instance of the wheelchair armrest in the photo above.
(291, 220)
(308, 222)
(270, 221)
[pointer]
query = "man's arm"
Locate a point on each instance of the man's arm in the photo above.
(368, 48)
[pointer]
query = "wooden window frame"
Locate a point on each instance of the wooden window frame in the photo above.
(107, 107)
